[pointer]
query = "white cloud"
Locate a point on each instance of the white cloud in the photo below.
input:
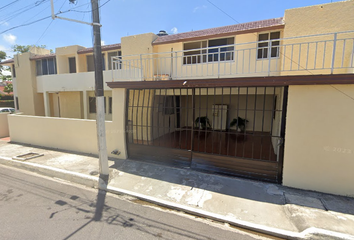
(9, 38)
(199, 8)
(102, 43)
(174, 30)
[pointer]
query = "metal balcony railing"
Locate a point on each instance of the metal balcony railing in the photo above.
(315, 54)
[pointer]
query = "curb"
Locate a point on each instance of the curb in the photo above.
(83, 179)
(96, 182)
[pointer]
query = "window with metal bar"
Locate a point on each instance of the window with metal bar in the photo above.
(266, 40)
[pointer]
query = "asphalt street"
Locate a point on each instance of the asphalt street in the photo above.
(37, 207)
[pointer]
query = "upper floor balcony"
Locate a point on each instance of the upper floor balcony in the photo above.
(306, 55)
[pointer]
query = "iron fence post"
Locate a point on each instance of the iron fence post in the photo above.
(219, 62)
(334, 51)
(141, 68)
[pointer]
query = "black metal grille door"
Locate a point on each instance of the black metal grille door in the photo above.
(229, 130)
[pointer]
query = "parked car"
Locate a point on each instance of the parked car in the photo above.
(10, 110)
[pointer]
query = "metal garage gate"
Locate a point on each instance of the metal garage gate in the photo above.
(229, 130)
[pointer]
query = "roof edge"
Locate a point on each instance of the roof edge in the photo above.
(221, 34)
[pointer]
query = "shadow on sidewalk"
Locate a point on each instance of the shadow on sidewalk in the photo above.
(237, 187)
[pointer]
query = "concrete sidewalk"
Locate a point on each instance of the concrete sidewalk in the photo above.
(263, 207)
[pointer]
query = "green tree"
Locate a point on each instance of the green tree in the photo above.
(2, 57)
(6, 77)
(8, 88)
(25, 48)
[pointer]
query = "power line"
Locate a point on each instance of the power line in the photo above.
(79, 11)
(8, 4)
(26, 24)
(223, 11)
(256, 35)
(83, 16)
(283, 53)
(49, 25)
(44, 32)
(76, 7)
(342, 92)
(22, 10)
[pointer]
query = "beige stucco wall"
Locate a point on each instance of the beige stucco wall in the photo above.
(319, 139)
(314, 20)
(4, 129)
(30, 101)
(137, 44)
(244, 62)
(71, 105)
(119, 120)
(81, 63)
(71, 134)
(62, 57)
(317, 19)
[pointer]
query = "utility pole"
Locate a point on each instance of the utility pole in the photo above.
(99, 93)
(99, 90)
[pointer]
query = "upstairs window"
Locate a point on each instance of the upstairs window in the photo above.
(72, 65)
(13, 70)
(209, 51)
(193, 52)
(91, 63)
(116, 64)
(46, 66)
(266, 40)
(225, 53)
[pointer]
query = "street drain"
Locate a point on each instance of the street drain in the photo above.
(27, 156)
(93, 173)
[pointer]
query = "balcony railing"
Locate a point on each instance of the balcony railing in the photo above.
(316, 54)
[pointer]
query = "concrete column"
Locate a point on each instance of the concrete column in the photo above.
(46, 104)
(84, 101)
(118, 118)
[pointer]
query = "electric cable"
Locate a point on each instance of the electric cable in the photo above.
(284, 54)
(8, 4)
(257, 35)
(49, 25)
(18, 12)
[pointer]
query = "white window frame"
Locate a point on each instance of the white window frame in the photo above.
(269, 45)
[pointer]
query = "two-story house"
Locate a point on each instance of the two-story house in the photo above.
(266, 100)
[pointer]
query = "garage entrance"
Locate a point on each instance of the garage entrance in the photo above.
(228, 130)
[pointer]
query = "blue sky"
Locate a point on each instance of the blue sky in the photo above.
(127, 17)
